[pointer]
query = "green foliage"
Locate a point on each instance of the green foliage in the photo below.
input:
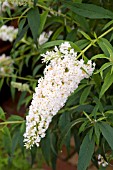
(85, 94)
(107, 132)
(88, 113)
(49, 149)
(86, 152)
(2, 114)
(33, 17)
(89, 10)
(107, 83)
(65, 132)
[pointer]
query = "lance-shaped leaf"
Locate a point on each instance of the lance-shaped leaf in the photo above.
(46, 147)
(107, 132)
(58, 42)
(67, 130)
(43, 18)
(86, 152)
(33, 17)
(85, 94)
(107, 83)
(89, 10)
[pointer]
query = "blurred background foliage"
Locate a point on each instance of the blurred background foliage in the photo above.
(88, 113)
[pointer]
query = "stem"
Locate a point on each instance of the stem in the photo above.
(12, 122)
(18, 77)
(94, 41)
(68, 109)
(105, 33)
(22, 15)
(55, 12)
(12, 18)
(87, 116)
(84, 50)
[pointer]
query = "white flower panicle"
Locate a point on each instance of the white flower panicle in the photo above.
(6, 64)
(8, 33)
(61, 77)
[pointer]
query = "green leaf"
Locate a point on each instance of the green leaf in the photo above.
(67, 129)
(103, 47)
(82, 43)
(1, 82)
(75, 97)
(21, 99)
(13, 90)
(76, 47)
(94, 111)
(87, 108)
(21, 34)
(86, 152)
(107, 132)
(43, 18)
(35, 2)
(80, 87)
(2, 114)
(99, 56)
(85, 35)
(15, 140)
(99, 104)
(97, 80)
(53, 20)
(27, 100)
(52, 43)
(46, 147)
(82, 22)
(89, 10)
(111, 38)
(57, 33)
(71, 36)
(109, 112)
(91, 133)
(21, 25)
(107, 43)
(58, 42)
(65, 119)
(85, 94)
(8, 10)
(7, 140)
(104, 66)
(108, 47)
(37, 68)
(97, 133)
(53, 142)
(54, 154)
(15, 118)
(83, 126)
(107, 83)
(107, 25)
(33, 17)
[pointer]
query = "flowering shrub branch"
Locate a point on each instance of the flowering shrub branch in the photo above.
(61, 78)
(54, 53)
